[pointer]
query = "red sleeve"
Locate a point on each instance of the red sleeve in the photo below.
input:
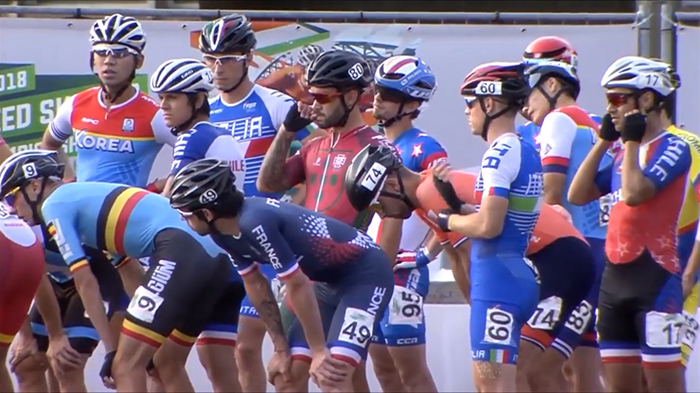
(294, 168)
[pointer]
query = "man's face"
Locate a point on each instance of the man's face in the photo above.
(196, 223)
(619, 102)
(328, 108)
(114, 64)
(475, 115)
(387, 103)
(537, 105)
(227, 68)
(176, 108)
(20, 205)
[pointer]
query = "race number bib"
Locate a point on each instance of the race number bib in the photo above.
(580, 317)
(547, 314)
(663, 330)
(357, 327)
(499, 327)
(606, 203)
(406, 307)
(690, 331)
(144, 305)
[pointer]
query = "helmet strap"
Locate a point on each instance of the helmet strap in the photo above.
(346, 110)
(400, 114)
(552, 100)
(489, 117)
(188, 123)
(34, 204)
(401, 195)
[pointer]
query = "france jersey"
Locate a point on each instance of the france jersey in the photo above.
(529, 131)
(254, 122)
(510, 169)
(117, 144)
(565, 138)
(121, 220)
(205, 140)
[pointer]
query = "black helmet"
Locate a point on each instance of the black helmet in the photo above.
(28, 165)
(202, 184)
(339, 69)
(232, 33)
(367, 174)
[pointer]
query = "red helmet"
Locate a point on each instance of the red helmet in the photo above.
(497, 79)
(551, 48)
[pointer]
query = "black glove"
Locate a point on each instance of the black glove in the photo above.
(607, 129)
(106, 370)
(633, 127)
(448, 193)
(293, 122)
(442, 219)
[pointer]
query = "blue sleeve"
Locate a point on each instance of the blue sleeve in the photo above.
(595, 118)
(432, 154)
(62, 225)
(305, 132)
(189, 147)
(668, 161)
(264, 228)
(603, 179)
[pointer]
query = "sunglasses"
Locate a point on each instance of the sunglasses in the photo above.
(617, 99)
(390, 95)
(118, 52)
(223, 60)
(470, 101)
(11, 197)
(325, 98)
(185, 214)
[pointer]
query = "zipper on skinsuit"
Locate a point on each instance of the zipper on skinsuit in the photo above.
(325, 170)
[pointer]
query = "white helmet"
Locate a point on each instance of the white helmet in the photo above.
(639, 73)
(118, 29)
(308, 53)
(182, 76)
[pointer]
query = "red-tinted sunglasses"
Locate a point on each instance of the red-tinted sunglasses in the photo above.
(617, 99)
(324, 98)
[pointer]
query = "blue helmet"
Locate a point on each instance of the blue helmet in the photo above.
(407, 74)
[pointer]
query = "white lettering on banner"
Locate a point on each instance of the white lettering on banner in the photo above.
(579, 318)
(10, 81)
(406, 307)
(663, 330)
(267, 246)
(86, 141)
(499, 327)
(546, 314)
(48, 109)
(15, 117)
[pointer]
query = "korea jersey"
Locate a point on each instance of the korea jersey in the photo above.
(529, 131)
(566, 137)
(419, 152)
(206, 140)
(254, 122)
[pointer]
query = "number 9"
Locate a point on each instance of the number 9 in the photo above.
(29, 170)
(147, 303)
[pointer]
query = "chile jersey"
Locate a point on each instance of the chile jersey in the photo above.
(652, 225)
(121, 220)
(510, 169)
(530, 130)
(205, 140)
(253, 121)
(322, 164)
(290, 238)
(419, 151)
(565, 138)
(115, 145)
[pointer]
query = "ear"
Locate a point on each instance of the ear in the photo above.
(139, 61)
(208, 214)
(646, 101)
(553, 84)
(411, 106)
(249, 58)
(35, 185)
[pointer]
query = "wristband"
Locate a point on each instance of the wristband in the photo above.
(443, 221)
(422, 258)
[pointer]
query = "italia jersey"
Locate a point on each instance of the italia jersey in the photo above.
(510, 169)
(565, 138)
(206, 140)
(115, 145)
(530, 130)
(254, 122)
(121, 220)
(652, 225)
(419, 152)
